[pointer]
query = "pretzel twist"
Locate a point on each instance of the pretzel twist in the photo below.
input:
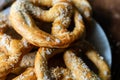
(11, 49)
(76, 68)
(83, 6)
(72, 62)
(41, 68)
(79, 69)
(103, 68)
(60, 14)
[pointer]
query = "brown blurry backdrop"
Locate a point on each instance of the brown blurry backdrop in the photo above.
(107, 13)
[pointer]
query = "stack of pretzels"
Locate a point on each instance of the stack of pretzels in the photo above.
(45, 40)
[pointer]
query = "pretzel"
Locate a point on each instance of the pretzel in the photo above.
(27, 61)
(12, 48)
(41, 68)
(60, 73)
(2, 78)
(83, 6)
(92, 54)
(60, 14)
(78, 68)
(3, 22)
(28, 74)
(42, 71)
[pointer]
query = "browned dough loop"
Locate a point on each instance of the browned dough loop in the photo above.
(60, 14)
(12, 48)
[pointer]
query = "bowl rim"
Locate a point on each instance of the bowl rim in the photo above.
(99, 39)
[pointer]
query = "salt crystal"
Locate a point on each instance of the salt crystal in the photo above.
(31, 73)
(48, 51)
(86, 13)
(47, 38)
(80, 17)
(85, 3)
(21, 77)
(5, 41)
(101, 58)
(58, 27)
(105, 73)
(84, 66)
(57, 40)
(25, 43)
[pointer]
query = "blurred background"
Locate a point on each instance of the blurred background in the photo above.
(107, 14)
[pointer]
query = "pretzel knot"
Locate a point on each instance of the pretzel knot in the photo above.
(12, 47)
(60, 14)
(103, 68)
(75, 67)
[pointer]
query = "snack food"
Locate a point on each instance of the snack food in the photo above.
(83, 6)
(79, 69)
(41, 68)
(71, 61)
(26, 75)
(12, 48)
(28, 26)
(60, 73)
(92, 54)
(59, 14)
(27, 61)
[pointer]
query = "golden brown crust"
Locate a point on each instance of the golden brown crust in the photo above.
(79, 69)
(60, 73)
(103, 68)
(104, 71)
(27, 61)
(41, 67)
(59, 14)
(28, 74)
(12, 49)
(83, 6)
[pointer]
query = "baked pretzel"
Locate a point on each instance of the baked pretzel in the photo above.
(83, 6)
(41, 68)
(2, 78)
(27, 61)
(72, 63)
(3, 22)
(79, 69)
(12, 48)
(60, 14)
(60, 73)
(92, 54)
(28, 74)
